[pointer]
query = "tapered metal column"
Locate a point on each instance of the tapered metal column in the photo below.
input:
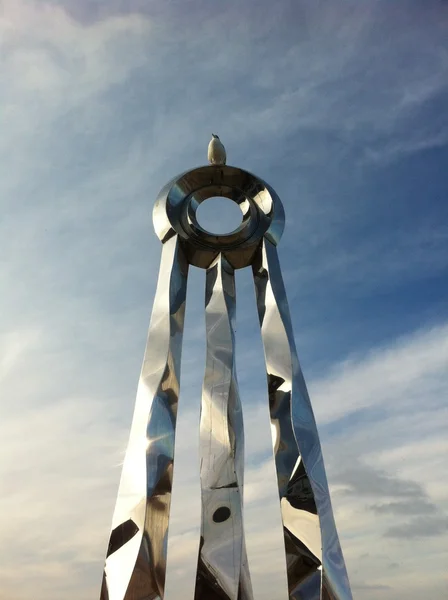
(136, 556)
(222, 566)
(313, 552)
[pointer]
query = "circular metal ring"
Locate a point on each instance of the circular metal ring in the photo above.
(177, 203)
(219, 241)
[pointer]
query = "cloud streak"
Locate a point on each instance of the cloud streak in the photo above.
(337, 106)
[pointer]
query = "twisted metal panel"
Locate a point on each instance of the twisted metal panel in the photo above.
(222, 565)
(311, 540)
(136, 557)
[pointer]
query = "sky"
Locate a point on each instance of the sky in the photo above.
(341, 107)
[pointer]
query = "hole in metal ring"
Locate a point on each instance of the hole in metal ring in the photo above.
(219, 215)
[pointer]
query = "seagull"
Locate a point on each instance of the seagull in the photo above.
(216, 151)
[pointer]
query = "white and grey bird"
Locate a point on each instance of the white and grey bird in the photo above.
(216, 151)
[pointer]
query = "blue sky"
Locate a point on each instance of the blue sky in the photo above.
(341, 107)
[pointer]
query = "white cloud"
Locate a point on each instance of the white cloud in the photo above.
(61, 471)
(397, 377)
(393, 454)
(79, 261)
(52, 52)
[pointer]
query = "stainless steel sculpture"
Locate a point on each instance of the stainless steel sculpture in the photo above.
(135, 566)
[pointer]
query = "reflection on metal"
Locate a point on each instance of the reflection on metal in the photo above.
(222, 548)
(135, 566)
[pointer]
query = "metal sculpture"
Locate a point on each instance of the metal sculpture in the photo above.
(135, 566)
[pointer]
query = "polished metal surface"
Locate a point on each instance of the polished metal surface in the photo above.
(313, 553)
(136, 557)
(135, 566)
(222, 566)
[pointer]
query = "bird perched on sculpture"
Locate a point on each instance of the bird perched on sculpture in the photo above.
(216, 151)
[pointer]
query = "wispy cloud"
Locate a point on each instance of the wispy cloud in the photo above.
(422, 527)
(329, 103)
(68, 482)
(413, 507)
